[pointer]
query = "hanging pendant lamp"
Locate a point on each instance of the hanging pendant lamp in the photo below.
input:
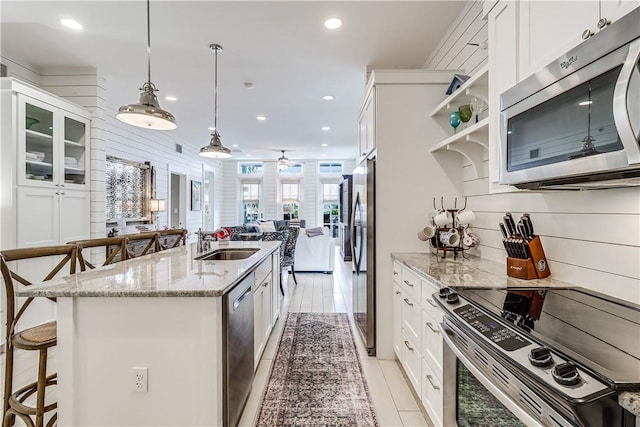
(215, 149)
(147, 112)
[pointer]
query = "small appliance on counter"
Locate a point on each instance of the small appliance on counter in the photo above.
(526, 259)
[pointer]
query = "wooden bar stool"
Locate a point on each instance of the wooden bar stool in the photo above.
(115, 250)
(168, 239)
(141, 244)
(39, 338)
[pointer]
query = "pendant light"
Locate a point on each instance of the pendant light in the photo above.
(283, 162)
(215, 149)
(147, 112)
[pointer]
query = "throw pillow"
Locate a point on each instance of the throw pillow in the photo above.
(313, 232)
(268, 226)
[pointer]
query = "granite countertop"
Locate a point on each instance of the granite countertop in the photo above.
(477, 272)
(169, 273)
(472, 272)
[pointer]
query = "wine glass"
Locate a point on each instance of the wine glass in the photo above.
(465, 113)
(454, 120)
(477, 106)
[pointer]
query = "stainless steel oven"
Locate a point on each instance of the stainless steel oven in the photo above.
(537, 357)
(577, 122)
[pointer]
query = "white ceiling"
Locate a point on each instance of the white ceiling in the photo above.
(281, 47)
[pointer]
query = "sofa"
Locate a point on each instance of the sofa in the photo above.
(315, 253)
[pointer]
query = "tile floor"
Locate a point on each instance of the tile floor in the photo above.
(394, 402)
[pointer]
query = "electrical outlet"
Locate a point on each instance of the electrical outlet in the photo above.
(140, 379)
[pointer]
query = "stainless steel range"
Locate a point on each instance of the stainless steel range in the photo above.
(533, 356)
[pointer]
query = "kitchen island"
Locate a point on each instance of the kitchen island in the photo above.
(163, 312)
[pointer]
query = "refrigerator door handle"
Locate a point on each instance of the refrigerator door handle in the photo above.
(355, 250)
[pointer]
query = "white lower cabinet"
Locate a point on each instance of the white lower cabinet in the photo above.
(431, 393)
(417, 340)
(266, 306)
(51, 217)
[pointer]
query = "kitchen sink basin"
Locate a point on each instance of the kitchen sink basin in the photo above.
(228, 254)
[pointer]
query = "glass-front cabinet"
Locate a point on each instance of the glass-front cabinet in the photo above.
(53, 149)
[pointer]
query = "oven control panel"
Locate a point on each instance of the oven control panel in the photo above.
(503, 337)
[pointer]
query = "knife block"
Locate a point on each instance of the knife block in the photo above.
(535, 267)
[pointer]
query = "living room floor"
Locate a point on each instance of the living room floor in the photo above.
(393, 401)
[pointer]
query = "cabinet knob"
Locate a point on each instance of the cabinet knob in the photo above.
(603, 22)
(58, 193)
(61, 185)
(62, 193)
(57, 185)
(587, 33)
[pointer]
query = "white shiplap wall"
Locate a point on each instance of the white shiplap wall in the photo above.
(310, 181)
(591, 238)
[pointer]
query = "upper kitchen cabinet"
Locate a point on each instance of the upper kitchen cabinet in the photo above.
(367, 123)
(547, 29)
(51, 138)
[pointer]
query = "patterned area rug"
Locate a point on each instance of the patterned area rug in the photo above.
(316, 378)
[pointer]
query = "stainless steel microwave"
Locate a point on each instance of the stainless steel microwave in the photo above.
(576, 123)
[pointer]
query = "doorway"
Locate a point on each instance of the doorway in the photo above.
(177, 200)
(208, 216)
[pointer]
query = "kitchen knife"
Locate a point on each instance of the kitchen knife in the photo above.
(524, 246)
(504, 231)
(508, 222)
(526, 220)
(505, 241)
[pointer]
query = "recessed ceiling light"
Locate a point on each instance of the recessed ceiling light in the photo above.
(333, 23)
(324, 155)
(328, 97)
(261, 118)
(70, 23)
(324, 145)
(248, 155)
(326, 128)
(170, 98)
(234, 145)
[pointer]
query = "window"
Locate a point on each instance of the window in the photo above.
(294, 169)
(330, 207)
(290, 196)
(250, 201)
(250, 168)
(330, 168)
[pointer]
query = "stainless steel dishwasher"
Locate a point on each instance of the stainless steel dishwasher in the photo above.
(237, 318)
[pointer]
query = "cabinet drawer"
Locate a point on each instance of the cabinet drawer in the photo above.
(431, 394)
(428, 289)
(411, 361)
(397, 271)
(432, 308)
(411, 284)
(262, 271)
(411, 319)
(432, 344)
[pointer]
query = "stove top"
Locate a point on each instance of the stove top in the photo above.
(598, 333)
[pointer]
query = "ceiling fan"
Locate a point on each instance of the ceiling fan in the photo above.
(284, 162)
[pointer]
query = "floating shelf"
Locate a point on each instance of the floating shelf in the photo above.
(477, 85)
(472, 143)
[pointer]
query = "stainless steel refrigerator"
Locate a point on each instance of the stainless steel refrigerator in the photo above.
(363, 253)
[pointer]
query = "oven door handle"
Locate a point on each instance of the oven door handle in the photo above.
(621, 114)
(447, 333)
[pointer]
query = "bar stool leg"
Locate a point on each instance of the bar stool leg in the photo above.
(42, 382)
(8, 419)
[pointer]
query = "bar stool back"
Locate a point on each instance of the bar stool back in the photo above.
(168, 239)
(39, 338)
(142, 244)
(114, 250)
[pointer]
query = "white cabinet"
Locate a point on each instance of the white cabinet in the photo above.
(416, 337)
(53, 146)
(550, 28)
(44, 175)
(266, 304)
(49, 217)
(367, 124)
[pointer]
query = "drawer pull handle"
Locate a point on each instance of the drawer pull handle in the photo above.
(409, 347)
(431, 303)
(408, 303)
(430, 378)
(434, 330)
(408, 283)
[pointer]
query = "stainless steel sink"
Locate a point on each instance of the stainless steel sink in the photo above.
(228, 254)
